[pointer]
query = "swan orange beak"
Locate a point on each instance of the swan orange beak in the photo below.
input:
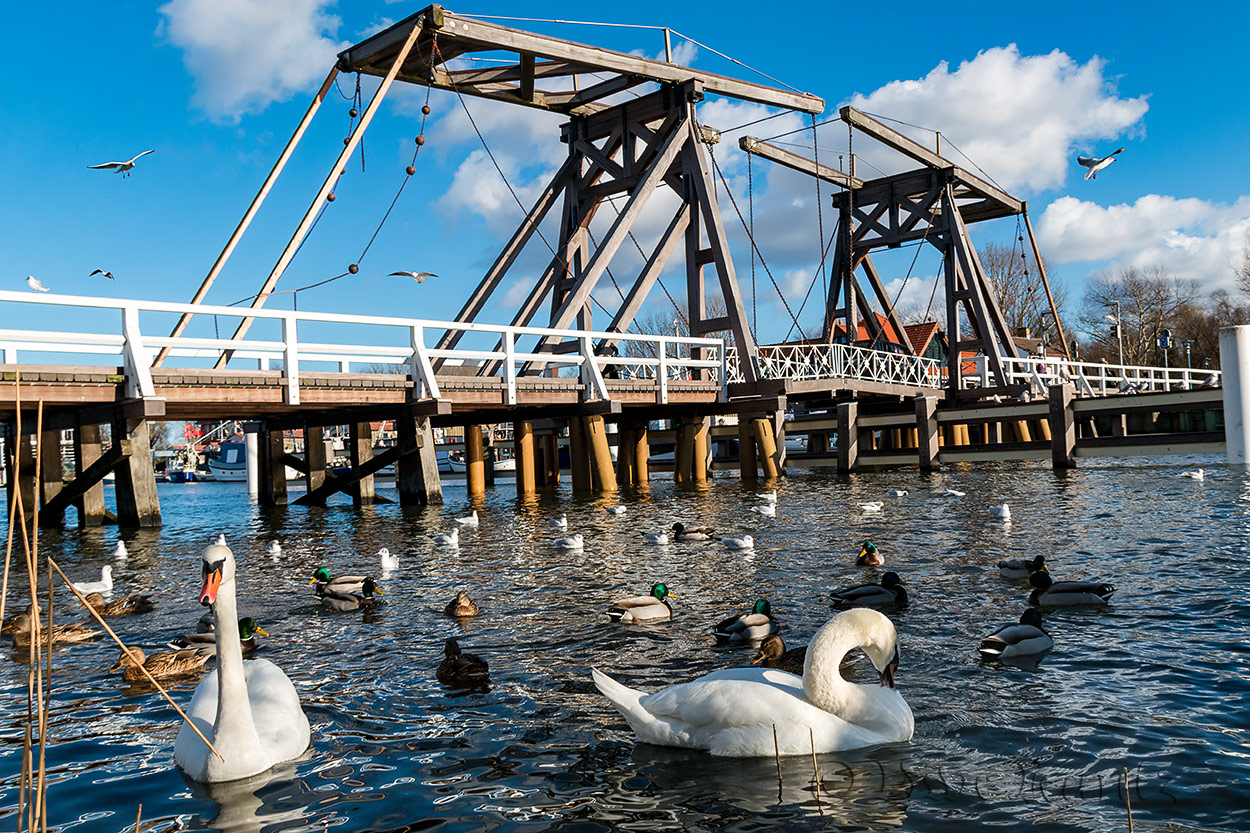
(212, 580)
(887, 673)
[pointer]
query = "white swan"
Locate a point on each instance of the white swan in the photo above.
(104, 585)
(733, 713)
(251, 712)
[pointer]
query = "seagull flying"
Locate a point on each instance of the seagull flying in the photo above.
(35, 284)
(1096, 165)
(419, 277)
(108, 275)
(122, 168)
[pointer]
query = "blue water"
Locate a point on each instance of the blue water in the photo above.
(1156, 684)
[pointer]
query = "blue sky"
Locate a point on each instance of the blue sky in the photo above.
(216, 87)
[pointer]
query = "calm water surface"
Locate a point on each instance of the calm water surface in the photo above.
(1157, 683)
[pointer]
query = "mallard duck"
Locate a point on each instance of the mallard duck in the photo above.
(683, 533)
(22, 624)
(162, 664)
(461, 607)
(756, 623)
(129, 606)
(1019, 570)
(343, 602)
(1028, 637)
(773, 654)
(461, 670)
(889, 593)
(104, 585)
(249, 633)
(746, 542)
(1049, 593)
(32, 609)
(652, 608)
(869, 555)
(339, 584)
(574, 542)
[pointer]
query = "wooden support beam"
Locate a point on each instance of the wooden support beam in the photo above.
(315, 458)
(84, 481)
(87, 450)
(848, 437)
(683, 454)
(22, 472)
(596, 434)
(135, 483)
(649, 275)
(416, 470)
(1041, 269)
(793, 161)
(579, 456)
(624, 455)
(701, 452)
(332, 485)
(1062, 427)
(272, 470)
(474, 460)
(641, 452)
(551, 460)
(526, 480)
(747, 467)
(763, 431)
(360, 448)
(927, 436)
(51, 479)
(778, 420)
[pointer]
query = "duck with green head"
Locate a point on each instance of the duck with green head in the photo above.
(869, 555)
(344, 602)
(650, 608)
(756, 623)
(249, 637)
(339, 584)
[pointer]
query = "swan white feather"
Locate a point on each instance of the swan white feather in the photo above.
(734, 712)
(250, 711)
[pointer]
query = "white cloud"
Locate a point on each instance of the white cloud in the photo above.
(1020, 117)
(1188, 237)
(246, 54)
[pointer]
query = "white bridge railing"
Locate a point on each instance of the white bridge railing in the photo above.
(1089, 378)
(841, 361)
(375, 339)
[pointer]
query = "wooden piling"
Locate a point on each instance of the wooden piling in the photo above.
(314, 459)
(1062, 425)
(579, 457)
(779, 440)
(640, 450)
(526, 475)
(272, 469)
(683, 454)
(1023, 434)
(848, 437)
(51, 478)
(416, 470)
(551, 461)
(624, 455)
(763, 431)
(601, 454)
(88, 449)
(22, 475)
(361, 451)
(475, 461)
(993, 433)
(700, 457)
(927, 432)
(135, 483)
(747, 466)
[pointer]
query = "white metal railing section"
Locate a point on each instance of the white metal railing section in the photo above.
(1090, 378)
(840, 361)
(664, 357)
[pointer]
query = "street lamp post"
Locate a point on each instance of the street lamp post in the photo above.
(1119, 329)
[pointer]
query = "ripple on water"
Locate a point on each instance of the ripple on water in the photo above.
(1156, 683)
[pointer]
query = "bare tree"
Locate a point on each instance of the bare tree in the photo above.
(1017, 283)
(1198, 328)
(1241, 270)
(672, 321)
(1150, 300)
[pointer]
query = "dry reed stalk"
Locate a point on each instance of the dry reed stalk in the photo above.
(777, 752)
(1128, 802)
(8, 546)
(138, 818)
(815, 770)
(45, 681)
(122, 645)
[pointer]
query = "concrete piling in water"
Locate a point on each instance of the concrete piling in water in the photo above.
(1235, 365)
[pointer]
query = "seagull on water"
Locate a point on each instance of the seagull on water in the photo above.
(122, 168)
(1096, 165)
(108, 275)
(419, 277)
(1196, 474)
(35, 284)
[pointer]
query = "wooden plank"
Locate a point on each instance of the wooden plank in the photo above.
(333, 484)
(848, 437)
(135, 483)
(927, 432)
(794, 162)
(87, 450)
(88, 479)
(416, 469)
(360, 448)
(1062, 427)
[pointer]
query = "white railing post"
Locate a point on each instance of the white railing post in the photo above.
(345, 366)
(724, 372)
(8, 354)
(424, 385)
(509, 367)
(591, 375)
(290, 358)
(661, 370)
(137, 359)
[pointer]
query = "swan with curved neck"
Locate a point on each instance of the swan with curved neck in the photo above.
(734, 712)
(250, 712)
